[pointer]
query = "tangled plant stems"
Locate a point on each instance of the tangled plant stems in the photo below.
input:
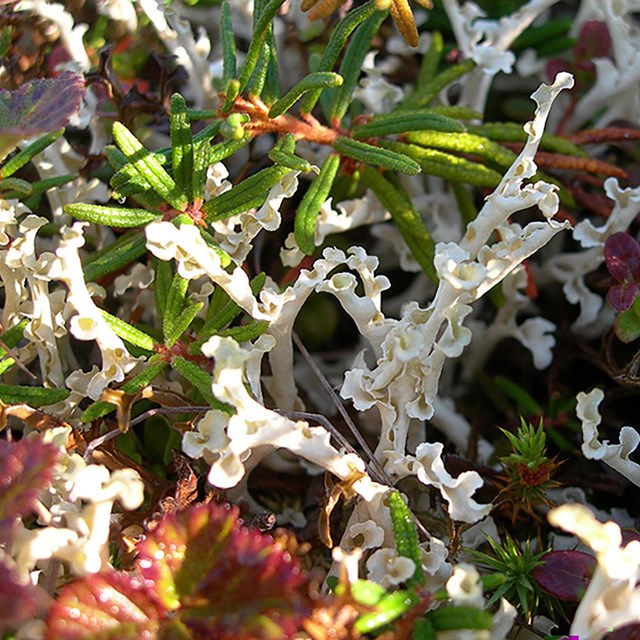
(196, 442)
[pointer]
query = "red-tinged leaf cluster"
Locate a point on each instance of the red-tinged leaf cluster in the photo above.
(565, 574)
(594, 41)
(26, 468)
(105, 605)
(199, 574)
(622, 257)
(18, 601)
(40, 106)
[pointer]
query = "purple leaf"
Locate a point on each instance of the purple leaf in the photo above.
(628, 632)
(594, 41)
(18, 601)
(26, 468)
(622, 256)
(565, 574)
(40, 106)
(621, 296)
(228, 581)
(104, 606)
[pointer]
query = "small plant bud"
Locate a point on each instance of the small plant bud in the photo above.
(233, 127)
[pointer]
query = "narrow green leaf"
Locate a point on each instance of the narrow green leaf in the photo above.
(231, 92)
(111, 216)
(11, 337)
(464, 198)
(251, 192)
(405, 533)
(271, 91)
(223, 313)
(202, 114)
(181, 145)
(122, 252)
(319, 80)
(285, 158)
(175, 303)
(256, 82)
(405, 121)
(309, 207)
(152, 369)
(33, 396)
(247, 332)
(201, 380)
(351, 67)
(40, 186)
(426, 93)
(17, 185)
(457, 112)
(377, 156)
(431, 60)
(541, 35)
(514, 132)
(257, 40)
(423, 630)
(468, 143)
(182, 322)
(148, 166)
(28, 153)
(391, 607)
(228, 43)
(223, 150)
(454, 618)
(337, 40)
(200, 166)
(407, 219)
(162, 285)
(128, 332)
(448, 166)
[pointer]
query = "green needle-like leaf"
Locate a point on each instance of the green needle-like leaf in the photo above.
(228, 43)
(448, 166)
(111, 216)
(181, 322)
(405, 121)
(257, 40)
(319, 80)
(174, 303)
(27, 153)
(407, 219)
(351, 67)
(309, 207)
(466, 143)
(33, 396)
(128, 332)
(405, 533)
(377, 156)
(181, 145)
(337, 41)
(121, 253)
(149, 167)
(251, 192)
(201, 380)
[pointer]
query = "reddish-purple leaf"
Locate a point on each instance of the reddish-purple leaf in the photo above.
(594, 41)
(228, 581)
(565, 574)
(26, 468)
(621, 296)
(622, 257)
(628, 632)
(18, 601)
(105, 606)
(40, 106)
